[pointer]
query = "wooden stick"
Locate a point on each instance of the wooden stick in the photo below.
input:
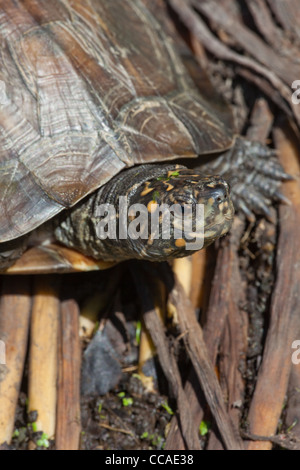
(43, 353)
(292, 414)
(261, 121)
(182, 267)
(219, 16)
(155, 326)
(233, 346)
(287, 14)
(147, 350)
(222, 301)
(68, 404)
(196, 348)
(15, 308)
(200, 261)
(271, 387)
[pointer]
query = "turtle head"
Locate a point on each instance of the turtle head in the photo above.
(153, 212)
(187, 211)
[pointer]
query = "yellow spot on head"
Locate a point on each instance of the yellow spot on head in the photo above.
(147, 189)
(152, 206)
(170, 186)
(150, 240)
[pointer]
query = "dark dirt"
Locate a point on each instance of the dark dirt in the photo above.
(127, 418)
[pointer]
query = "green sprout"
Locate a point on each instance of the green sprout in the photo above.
(173, 174)
(34, 427)
(204, 428)
(138, 330)
(167, 408)
(136, 376)
(127, 401)
(43, 441)
(155, 196)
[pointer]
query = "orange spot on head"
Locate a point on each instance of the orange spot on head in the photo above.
(180, 242)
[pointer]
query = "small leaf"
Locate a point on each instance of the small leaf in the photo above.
(43, 441)
(127, 401)
(155, 195)
(204, 428)
(34, 427)
(138, 330)
(167, 408)
(174, 173)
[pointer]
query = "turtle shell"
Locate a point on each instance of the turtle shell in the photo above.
(88, 88)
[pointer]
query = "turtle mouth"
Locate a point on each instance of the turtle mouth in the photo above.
(229, 217)
(219, 222)
(221, 219)
(218, 206)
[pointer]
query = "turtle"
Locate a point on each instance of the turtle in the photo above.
(97, 104)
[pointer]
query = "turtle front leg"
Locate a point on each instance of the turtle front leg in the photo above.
(254, 174)
(11, 251)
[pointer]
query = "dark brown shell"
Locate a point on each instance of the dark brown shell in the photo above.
(88, 88)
